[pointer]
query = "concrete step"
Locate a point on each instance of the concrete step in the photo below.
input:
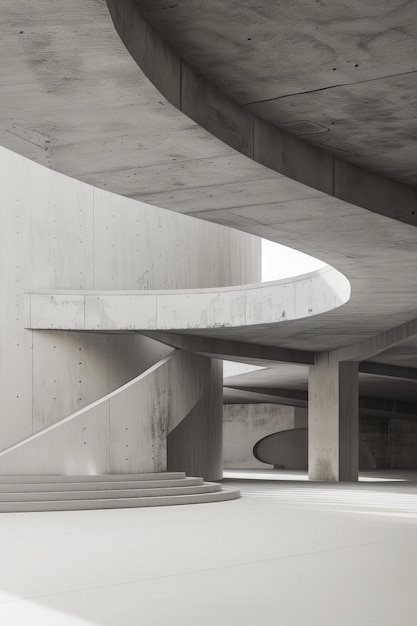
(98, 485)
(57, 478)
(62, 496)
(106, 491)
(118, 503)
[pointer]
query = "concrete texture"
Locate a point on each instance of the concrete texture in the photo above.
(249, 305)
(107, 491)
(333, 414)
(58, 232)
(244, 425)
(59, 107)
(125, 431)
(208, 178)
(196, 443)
(289, 450)
(350, 549)
(341, 76)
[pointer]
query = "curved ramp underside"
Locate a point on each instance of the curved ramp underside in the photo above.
(74, 100)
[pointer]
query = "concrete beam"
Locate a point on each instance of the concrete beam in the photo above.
(295, 394)
(239, 395)
(383, 369)
(233, 350)
(369, 348)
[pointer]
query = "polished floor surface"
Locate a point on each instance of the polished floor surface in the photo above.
(289, 553)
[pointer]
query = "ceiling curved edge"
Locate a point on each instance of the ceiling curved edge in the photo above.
(254, 137)
(84, 108)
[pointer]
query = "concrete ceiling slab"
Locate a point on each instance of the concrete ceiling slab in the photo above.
(342, 75)
(74, 100)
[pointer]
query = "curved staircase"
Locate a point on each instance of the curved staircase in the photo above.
(106, 491)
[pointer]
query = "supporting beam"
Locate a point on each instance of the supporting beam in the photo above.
(384, 369)
(233, 350)
(292, 394)
(333, 439)
(369, 348)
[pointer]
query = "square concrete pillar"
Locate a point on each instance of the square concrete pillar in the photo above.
(333, 408)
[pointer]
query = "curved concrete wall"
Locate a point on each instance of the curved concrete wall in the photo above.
(289, 449)
(249, 305)
(124, 432)
(58, 233)
(196, 444)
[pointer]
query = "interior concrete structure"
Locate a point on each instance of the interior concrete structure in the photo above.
(160, 104)
(146, 148)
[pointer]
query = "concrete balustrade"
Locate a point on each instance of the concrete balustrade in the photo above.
(277, 301)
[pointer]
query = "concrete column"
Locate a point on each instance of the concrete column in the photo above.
(333, 439)
(195, 446)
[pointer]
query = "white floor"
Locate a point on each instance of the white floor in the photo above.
(287, 553)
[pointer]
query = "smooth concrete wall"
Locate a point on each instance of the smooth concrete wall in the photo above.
(403, 444)
(124, 432)
(245, 424)
(383, 443)
(58, 233)
(195, 445)
(392, 442)
(286, 449)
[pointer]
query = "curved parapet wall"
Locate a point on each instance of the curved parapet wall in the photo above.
(289, 449)
(260, 304)
(123, 432)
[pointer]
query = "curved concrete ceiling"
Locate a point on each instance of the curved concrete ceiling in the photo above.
(74, 100)
(342, 75)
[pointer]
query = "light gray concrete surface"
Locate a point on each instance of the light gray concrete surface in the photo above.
(349, 550)
(233, 307)
(333, 413)
(113, 491)
(206, 177)
(245, 424)
(251, 174)
(196, 442)
(127, 430)
(339, 75)
(58, 232)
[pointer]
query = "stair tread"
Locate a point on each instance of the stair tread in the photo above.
(118, 494)
(51, 505)
(34, 479)
(100, 485)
